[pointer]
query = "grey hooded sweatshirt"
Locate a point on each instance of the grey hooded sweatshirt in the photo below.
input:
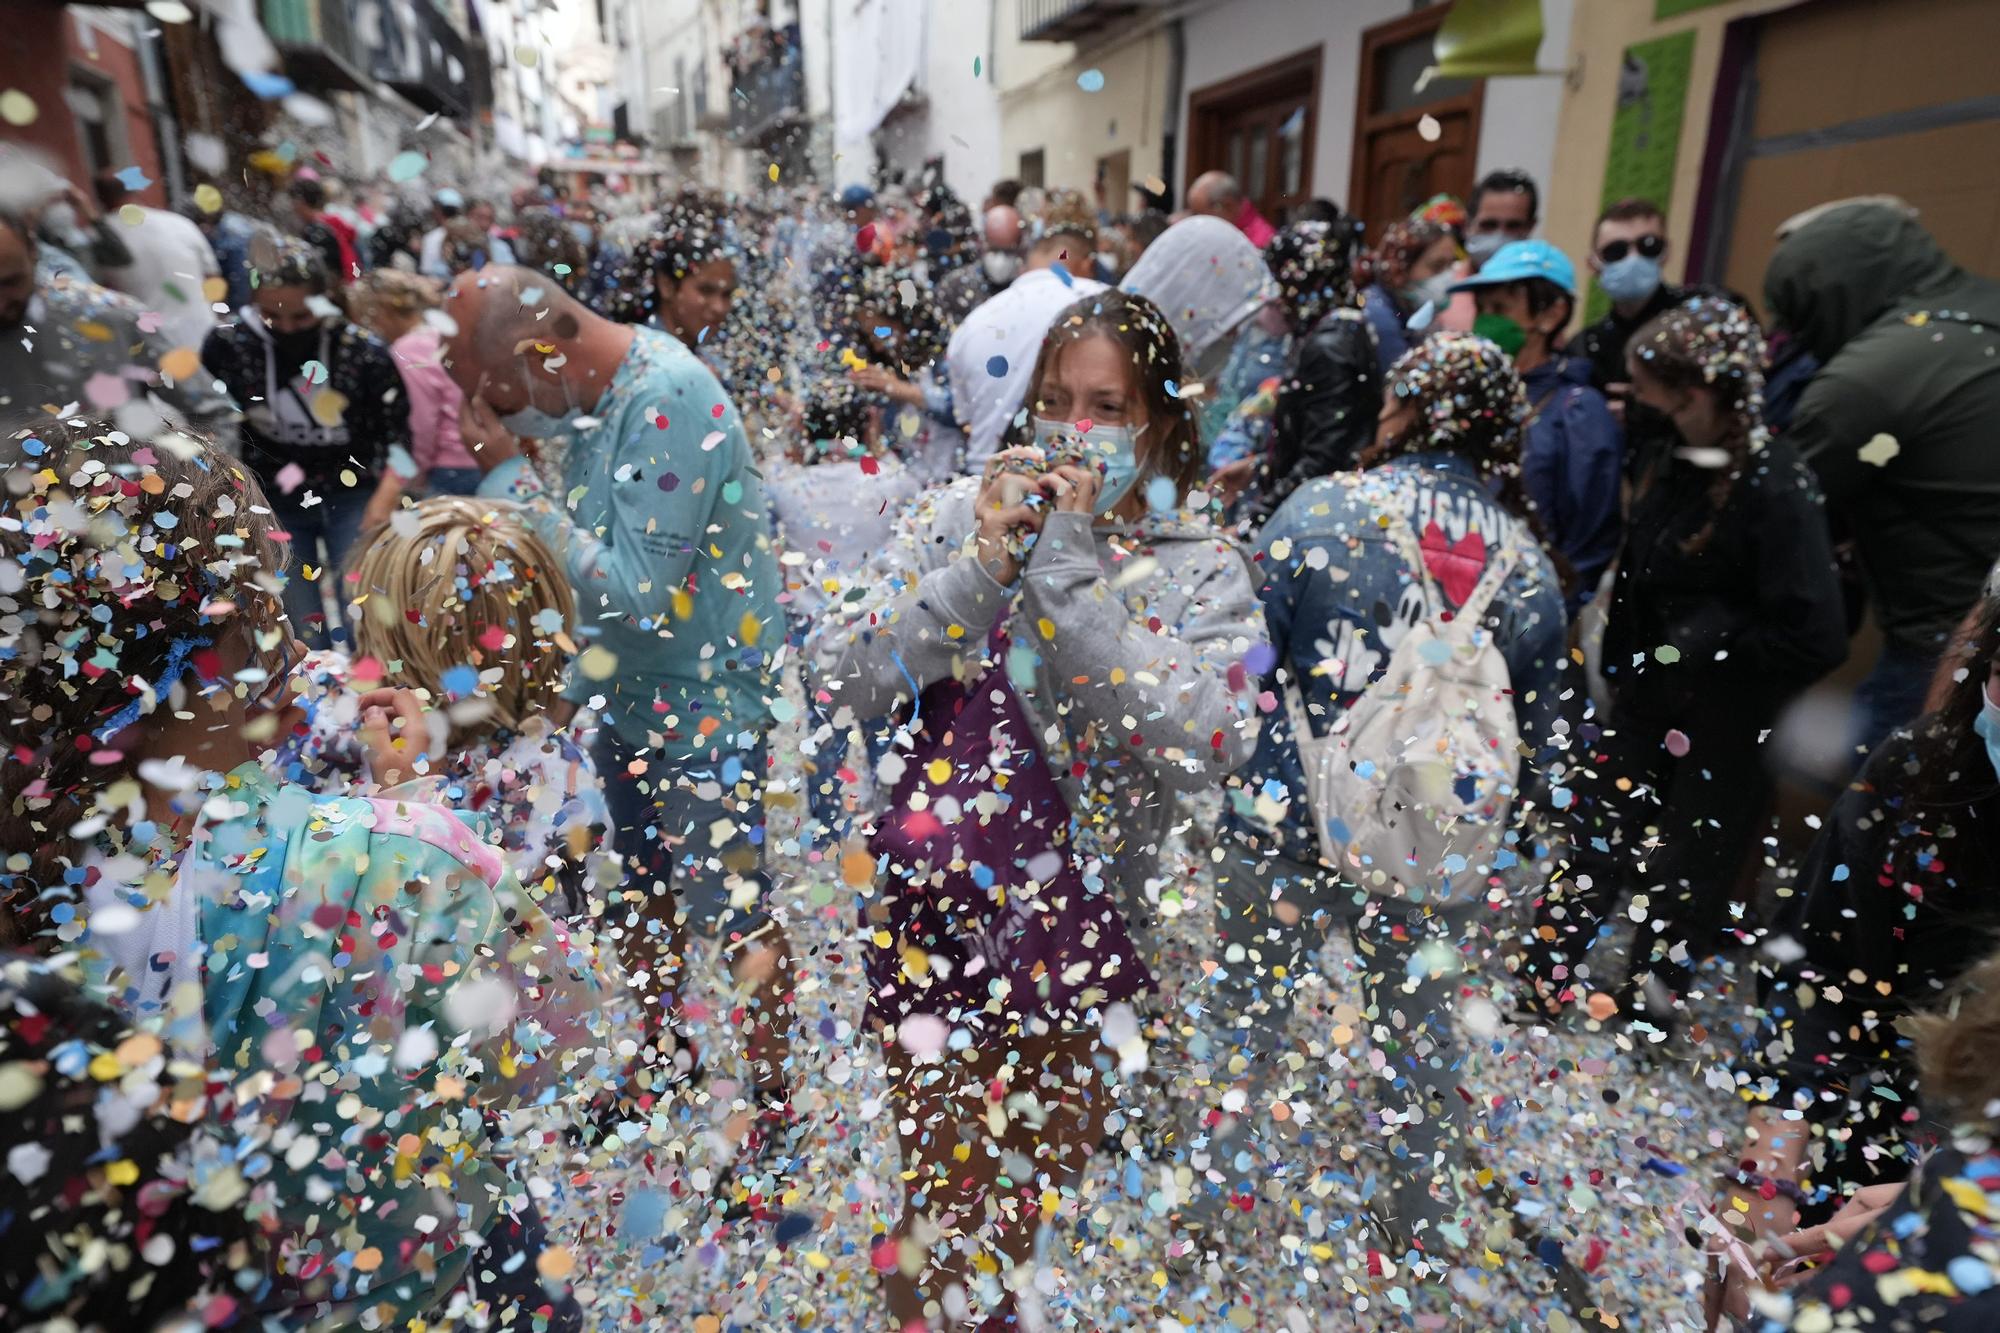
(1136, 634)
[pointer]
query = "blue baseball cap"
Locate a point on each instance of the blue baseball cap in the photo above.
(1518, 261)
(856, 196)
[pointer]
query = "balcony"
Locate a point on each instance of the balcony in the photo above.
(770, 83)
(1074, 20)
(415, 51)
(322, 52)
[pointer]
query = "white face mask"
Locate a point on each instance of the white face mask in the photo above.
(1434, 291)
(1000, 266)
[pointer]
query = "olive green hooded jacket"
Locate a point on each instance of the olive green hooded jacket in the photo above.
(1902, 423)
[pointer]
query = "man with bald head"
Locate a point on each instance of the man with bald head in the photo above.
(661, 522)
(1000, 257)
(1218, 194)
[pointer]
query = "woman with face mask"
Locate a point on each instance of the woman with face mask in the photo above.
(1725, 607)
(1892, 906)
(325, 418)
(1407, 281)
(1055, 650)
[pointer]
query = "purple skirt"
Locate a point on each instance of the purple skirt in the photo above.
(991, 921)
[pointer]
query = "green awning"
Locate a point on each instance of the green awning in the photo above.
(1489, 38)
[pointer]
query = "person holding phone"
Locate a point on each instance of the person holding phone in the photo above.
(1059, 643)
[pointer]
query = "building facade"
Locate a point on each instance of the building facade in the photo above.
(1736, 114)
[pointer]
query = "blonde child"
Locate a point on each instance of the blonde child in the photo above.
(460, 602)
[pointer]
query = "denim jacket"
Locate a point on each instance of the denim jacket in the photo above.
(1338, 597)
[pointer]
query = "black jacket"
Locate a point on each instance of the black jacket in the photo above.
(278, 401)
(1902, 422)
(1326, 410)
(1894, 902)
(1603, 344)
(1761, 590)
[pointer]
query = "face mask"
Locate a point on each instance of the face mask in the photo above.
(1434, 291)
(1502, 332)
(296, 347)
(1633, 278)
(1111, 450)
(1000, 266)
(536, 424)
(1987, 724)
(1481, 245)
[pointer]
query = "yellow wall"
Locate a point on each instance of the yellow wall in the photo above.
(1600, 30)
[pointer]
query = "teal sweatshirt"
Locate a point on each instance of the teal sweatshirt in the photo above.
(664, 531)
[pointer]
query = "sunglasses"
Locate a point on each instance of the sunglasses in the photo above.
(1652, 247)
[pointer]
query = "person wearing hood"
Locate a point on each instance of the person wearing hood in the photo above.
(1898, 424)
(324, 412)
(1409, 281)
(1210, 282)
(1574, 456)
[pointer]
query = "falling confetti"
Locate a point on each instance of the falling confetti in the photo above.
(1091, 80)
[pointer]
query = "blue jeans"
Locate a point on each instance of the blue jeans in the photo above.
(322, 536)
(452, 481)
(1273, 915)
(661, 822)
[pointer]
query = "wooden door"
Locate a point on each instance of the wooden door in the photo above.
(1852, 98)
(1396, 167)
(1258, 127)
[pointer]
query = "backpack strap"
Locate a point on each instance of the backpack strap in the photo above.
(1404, 538)
(1490, 579)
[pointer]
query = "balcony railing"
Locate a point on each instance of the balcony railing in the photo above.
(319, 43)
(1069, 20)
(770, 92)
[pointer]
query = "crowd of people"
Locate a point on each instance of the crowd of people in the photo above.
(474, 677)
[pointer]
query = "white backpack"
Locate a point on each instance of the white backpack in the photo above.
(1412, 787)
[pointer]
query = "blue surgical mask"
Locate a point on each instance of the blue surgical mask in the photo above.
(1111, 450)
(1481, 246)
(1987, 724)
(1633, 278)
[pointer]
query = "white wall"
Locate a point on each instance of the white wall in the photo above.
(961, 116)
(1517, 125)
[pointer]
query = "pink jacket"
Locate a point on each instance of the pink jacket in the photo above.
(1253, 224)
(434, 402)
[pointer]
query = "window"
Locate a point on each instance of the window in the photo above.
(1258, 127)
(93, 103)
(1031, 167)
